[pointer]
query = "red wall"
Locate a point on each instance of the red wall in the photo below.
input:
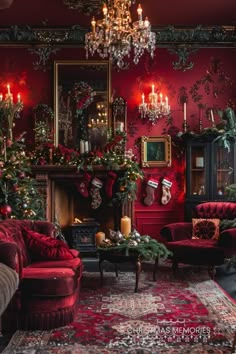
(215, 65)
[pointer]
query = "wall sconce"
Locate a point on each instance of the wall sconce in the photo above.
(155, 108)
(9, 109)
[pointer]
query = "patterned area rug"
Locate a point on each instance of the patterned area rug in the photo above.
(185, 313)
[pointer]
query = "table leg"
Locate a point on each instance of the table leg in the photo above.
(155, 268)
(101, 270)
(138, 271)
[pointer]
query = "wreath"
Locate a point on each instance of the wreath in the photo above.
(83, 95)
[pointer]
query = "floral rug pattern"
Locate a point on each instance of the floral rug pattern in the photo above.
(182, 313)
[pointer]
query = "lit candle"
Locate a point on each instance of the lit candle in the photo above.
(212, 117)
(125, 226)
(161, 97)
(167, 102)
(1, 96)
(139, 10)
(104, 9)
(93, 23)
(153, 88)
(18, 98)
(100, 237)
(185, 112)
(8, 89)
(143, 98)
(86, 146)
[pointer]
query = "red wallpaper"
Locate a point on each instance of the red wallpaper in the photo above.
(212, 80)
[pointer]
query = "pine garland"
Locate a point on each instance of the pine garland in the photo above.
(148, 248)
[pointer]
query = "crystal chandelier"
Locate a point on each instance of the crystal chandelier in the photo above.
(115, 35)
(156, 108)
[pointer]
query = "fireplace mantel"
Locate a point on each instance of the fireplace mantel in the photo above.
(57, 184)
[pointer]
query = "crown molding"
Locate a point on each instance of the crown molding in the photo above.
(166, 37)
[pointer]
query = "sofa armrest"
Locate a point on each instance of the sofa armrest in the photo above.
(177, 231)
(228, 240)
(10, 255)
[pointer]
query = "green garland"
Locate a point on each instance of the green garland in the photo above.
(147, 248)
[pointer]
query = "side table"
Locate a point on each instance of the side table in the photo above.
(116, 258)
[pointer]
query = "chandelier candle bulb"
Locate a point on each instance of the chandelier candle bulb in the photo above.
(139, 10)
(125, 226)
(212, 116)
(143, 98)
(18, 98)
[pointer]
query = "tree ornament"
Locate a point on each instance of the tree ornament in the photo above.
(5, 210)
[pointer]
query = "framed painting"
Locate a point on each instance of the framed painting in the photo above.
(156, 151)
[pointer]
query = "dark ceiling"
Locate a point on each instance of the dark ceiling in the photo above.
(159, 12)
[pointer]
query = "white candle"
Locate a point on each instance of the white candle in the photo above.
(161, 97)
(139, 10)
(153, 88)
(212, 116)
(8, 89)
(166, 101)
(86, 146)
(143, 98)
(125, 226)
(81, 146)
(100, 237)
(185, 112)
(1, 96)
(18, 98)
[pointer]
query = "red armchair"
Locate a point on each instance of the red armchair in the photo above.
(210, 252)
(49, 276)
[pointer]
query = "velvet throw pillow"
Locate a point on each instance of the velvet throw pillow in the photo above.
(42, 247)
(206, 229)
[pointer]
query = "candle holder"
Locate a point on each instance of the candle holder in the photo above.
(10, 110)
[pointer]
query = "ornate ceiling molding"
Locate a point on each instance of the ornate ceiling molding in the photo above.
(166, 37)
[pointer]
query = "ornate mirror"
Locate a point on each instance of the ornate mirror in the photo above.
(81, 104)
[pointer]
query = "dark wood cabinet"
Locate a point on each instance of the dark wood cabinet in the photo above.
(210, 169)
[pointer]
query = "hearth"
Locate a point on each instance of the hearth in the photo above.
(65, 203)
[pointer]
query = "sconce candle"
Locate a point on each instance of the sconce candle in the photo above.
(185, 112)
(125, 226)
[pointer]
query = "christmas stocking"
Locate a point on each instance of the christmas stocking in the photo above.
(95, 193)
(152, 184)
(82, 186)
(166, 195)
(110, 183)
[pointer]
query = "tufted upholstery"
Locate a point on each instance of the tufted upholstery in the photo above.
(178, 237)
(48, 289)
(220, 210)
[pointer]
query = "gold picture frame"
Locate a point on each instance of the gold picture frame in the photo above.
(156, 151)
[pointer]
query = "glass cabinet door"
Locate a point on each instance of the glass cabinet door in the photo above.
(198, 183)
(224, 170)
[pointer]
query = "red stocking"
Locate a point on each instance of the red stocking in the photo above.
(152, 184)
(112, 176)
(82, 186)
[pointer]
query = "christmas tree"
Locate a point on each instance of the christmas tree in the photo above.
(19, 196)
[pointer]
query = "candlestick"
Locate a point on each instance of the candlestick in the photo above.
(185, 117)
(8, 89)
(100, 237)
(153, 88)
(125, 226)
(161, 97)
(1, 97)
(18, 98)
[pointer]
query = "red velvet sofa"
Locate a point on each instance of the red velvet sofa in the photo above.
(178, 237)
(49, 275)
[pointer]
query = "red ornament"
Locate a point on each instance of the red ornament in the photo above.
(5, 210)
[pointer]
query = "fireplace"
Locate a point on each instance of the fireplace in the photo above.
(65, 203)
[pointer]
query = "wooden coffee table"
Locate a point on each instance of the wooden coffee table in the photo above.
(116, 258)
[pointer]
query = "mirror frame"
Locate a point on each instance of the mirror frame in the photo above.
(84, 63)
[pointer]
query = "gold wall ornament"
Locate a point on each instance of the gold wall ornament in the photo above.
(85, 6)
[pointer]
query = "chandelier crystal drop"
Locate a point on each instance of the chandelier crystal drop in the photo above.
(155, 108)
(115, 36)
